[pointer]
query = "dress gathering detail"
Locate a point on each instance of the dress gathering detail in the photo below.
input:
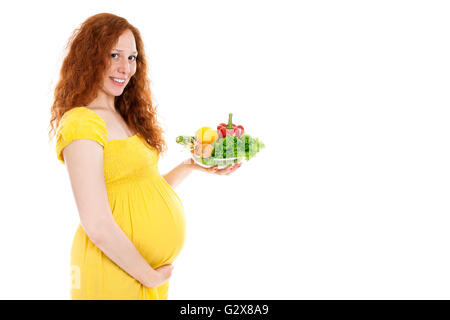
(142, 203)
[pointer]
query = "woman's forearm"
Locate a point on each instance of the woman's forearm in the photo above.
(118, 247)
(179, 173)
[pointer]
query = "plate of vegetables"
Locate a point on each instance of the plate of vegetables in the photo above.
(225, 146)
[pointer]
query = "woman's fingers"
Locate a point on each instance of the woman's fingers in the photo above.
(224, 171)
(228, 170)
(234, 168)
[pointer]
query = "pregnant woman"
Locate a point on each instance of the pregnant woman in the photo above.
(132, 223)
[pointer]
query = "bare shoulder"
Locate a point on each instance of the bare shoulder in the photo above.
(115, 125)
(104, 113)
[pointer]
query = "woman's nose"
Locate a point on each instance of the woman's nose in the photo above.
(124, 66)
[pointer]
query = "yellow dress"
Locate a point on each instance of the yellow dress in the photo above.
(143, 204)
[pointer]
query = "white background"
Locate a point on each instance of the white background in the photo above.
(348, 200)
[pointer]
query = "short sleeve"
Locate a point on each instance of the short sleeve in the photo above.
(79, 123)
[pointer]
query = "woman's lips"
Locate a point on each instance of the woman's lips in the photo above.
(117, 83)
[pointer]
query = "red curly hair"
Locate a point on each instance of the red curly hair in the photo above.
(82, 72)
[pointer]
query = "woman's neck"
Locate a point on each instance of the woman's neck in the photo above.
(103, 101)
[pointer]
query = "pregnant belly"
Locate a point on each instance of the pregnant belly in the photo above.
(152, 216)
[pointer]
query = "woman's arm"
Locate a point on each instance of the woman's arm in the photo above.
(84, 161)
(179, 173)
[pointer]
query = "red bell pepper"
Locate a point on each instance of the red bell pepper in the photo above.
(229, 129)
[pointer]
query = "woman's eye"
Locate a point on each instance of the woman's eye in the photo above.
(132, 58)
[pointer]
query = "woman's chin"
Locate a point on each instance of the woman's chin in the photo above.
(115, 93)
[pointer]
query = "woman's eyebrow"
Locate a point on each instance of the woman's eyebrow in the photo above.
(122, 50)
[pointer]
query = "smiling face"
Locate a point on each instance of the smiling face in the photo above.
(123, 65)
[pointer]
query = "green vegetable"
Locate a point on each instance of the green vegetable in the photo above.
(237, 147)
(185, 140)
(208, 161)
